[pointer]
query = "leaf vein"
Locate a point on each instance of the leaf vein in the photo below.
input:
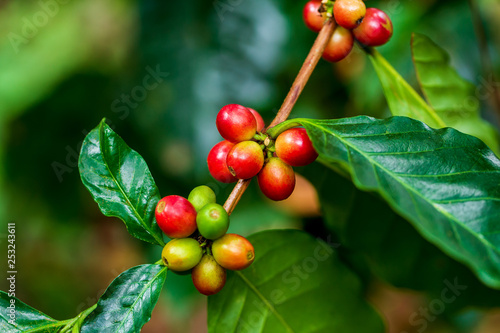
(394, 175)
(266, 302)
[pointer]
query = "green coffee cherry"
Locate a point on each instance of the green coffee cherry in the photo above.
(200, 196)
(212, 221)
(181, 254)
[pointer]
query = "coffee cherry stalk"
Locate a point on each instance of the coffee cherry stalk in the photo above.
(262, 156)
(198, 225)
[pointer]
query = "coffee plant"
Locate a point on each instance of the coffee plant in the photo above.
(424, 172)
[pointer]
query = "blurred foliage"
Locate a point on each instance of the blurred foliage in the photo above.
(81, 60)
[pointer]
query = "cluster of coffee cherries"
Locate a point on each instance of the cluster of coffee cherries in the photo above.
(369, 26)
(197, 227)
(246, 152)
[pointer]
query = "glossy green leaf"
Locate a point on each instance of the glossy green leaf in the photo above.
(453, 98)
(26, 318)
(443, 181)
(403, 100)
(296, 284)
(128, 302)
(120, 182)
(389, 248)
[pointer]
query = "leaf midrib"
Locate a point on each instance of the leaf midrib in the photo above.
(146, 287)
(53, 322)
(53, 325)
(101, 136)
(450, 217)
(265, 300)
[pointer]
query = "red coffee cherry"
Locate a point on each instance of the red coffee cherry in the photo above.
(233, 251)
(339, 46)
(216, 161)
(294, 147)
(176, 216)
(245, 159)
(312, 17)
(276, 179)
(376, 28)
(236, 123)
(208, 276)
(349, 13)
(181, 254)
(260, 122)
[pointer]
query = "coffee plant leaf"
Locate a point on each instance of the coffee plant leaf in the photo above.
(295, 284)
(128, 302)
(444, 182)
(120, 182)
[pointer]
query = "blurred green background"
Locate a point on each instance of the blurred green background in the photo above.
(159, 71)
